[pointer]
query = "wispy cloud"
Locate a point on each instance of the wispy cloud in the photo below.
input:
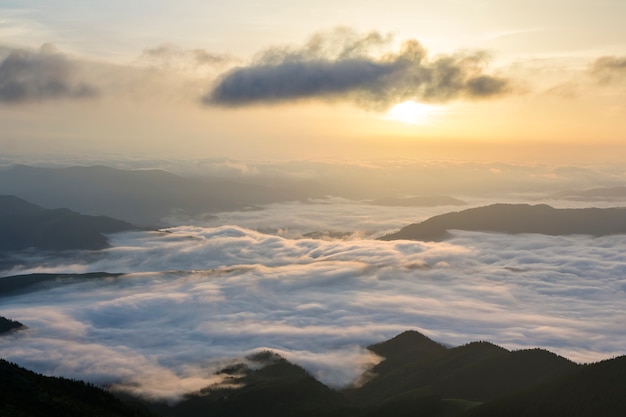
(364, 68)
(40, 75)
(607, 69)
(172, 57)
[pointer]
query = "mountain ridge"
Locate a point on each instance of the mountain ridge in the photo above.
(517, 219)
(142, 196)
(25, 225)
(153, 197)
(431, 380)
(24, 393)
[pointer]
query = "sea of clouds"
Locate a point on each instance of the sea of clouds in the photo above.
(195, 298)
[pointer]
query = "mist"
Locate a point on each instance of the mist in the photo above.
(195, 298)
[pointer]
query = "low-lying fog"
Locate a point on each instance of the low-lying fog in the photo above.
(195, 297)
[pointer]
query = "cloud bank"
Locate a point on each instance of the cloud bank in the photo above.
(343, 64)
(200, 297)
(45, 74)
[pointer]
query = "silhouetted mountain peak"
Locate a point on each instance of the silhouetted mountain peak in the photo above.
(8, 325)
(270, 366)
(529, 382)
(476, 371)
(265, 357)
(481, 347)
(277, 387)
(408, 342)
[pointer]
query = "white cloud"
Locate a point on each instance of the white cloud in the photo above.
(198, 297)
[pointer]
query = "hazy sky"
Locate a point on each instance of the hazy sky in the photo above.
(489, 80)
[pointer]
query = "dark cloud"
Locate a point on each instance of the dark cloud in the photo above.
(345, 65)
(485, 86)
(609, 68)
(39, 75)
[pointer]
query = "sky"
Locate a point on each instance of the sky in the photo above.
(489, 81)
(489, 94)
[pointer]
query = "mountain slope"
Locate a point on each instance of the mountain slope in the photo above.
(518, 218)
(24, 225)
(26, 394)
(269, 386)
(598, 389)
(8, 325)
(477, 371)
(417, 377)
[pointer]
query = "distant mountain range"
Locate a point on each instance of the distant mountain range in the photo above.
(419, 201)
(417, 376)
(142, 197)
(149, 197)
(594, 194)
(24, 225)
(518, 218)
(21, 284)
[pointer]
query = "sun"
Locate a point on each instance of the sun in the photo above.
(411, 112)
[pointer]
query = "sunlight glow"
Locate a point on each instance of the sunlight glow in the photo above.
(411, 112)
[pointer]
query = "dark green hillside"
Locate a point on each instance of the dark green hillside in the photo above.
(7, 325)
(418, 377)
(26, 394)
(408, 346)
(596, 390)
(19, 284)
(518, 218)
(478, 371)
(24, 225)
(406, 367)
(481, 371)
(278, 388)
